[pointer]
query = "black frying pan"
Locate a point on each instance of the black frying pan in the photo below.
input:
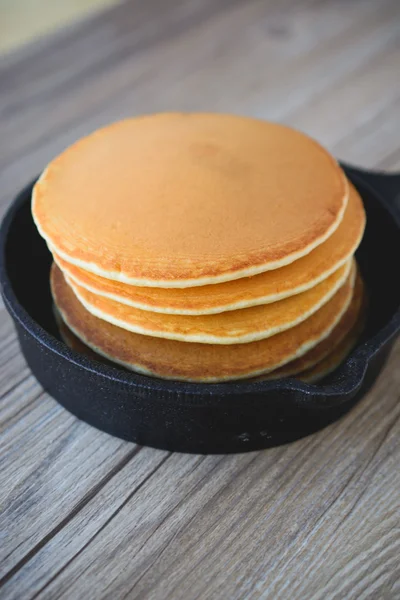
(204, 418)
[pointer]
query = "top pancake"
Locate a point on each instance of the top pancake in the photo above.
(179, 200)
(264, 288)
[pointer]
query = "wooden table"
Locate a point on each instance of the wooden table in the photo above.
(85, 515)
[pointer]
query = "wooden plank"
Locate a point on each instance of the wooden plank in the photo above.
(123, 76)
(118, 73)
(373, 141)
(359, 98)
(160, 81)
(264, 524)
(50, 463)
(89, 517)
(16, 380)
(14, 404)
(128, 28)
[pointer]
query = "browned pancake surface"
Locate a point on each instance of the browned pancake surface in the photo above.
(176, 200)
(270, 286)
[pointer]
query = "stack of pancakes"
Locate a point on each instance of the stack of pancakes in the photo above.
(204, 247)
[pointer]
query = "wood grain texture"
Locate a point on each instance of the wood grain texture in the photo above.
(84, 515)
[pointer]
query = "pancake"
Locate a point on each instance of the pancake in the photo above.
(72, 341)
(349, 322)
(233, 327)
(170, 359)
(264, 288)
(69, 338)
(311, 367)
(331, 362)
(179, 200)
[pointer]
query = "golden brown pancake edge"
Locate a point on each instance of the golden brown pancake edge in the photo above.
(190, 361)
(233, 327)
(350, 323)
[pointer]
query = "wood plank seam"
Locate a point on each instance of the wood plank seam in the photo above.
(176, 534)
(180, 503)
(210, 502)
(27, 408)
(112, 516)
(26, 373)
(215, 547)
(76, 509)
(16, 349)
(355, 476)
(347, 77)
(366, 126)
(22, 411)
(375, 452)
(306, 451)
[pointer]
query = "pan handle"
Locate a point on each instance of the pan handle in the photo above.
(387, 185)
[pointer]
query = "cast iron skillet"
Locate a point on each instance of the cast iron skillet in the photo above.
(202, 418)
